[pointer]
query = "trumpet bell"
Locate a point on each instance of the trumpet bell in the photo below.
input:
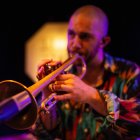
(23, 111)
(27, 117)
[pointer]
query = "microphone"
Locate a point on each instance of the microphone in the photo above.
(11, 106)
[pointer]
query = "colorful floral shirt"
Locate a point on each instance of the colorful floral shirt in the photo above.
(121, 91)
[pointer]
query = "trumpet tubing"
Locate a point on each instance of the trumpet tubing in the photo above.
(18, 107)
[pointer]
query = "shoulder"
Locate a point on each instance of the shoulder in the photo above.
(121, 65)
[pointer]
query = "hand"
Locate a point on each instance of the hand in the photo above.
(44, 68)
(76, 89)
(79, 92)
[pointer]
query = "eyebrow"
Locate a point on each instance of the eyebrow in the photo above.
(82, 35)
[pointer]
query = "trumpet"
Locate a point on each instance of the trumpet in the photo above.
(18, 105)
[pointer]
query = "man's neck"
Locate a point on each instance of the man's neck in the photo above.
(95, 71)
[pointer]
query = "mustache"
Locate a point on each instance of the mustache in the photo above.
(73, 52)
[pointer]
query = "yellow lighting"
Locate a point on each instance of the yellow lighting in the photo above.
(59, 43)
(48, 42)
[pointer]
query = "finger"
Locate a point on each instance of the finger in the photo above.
(62, 87)
(63, 97)
(40, 73)
(54, 63)
(65, 76)
(43, 62)
(51, 87)
(64, 82)
(59, 82)
(40, 70)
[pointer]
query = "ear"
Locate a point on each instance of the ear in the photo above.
(105, 41)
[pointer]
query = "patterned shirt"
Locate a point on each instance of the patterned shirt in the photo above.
(121, 91)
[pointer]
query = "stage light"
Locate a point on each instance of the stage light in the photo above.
(48, 42)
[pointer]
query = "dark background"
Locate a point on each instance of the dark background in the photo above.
(21, 19)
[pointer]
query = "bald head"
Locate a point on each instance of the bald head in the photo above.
(93, 14)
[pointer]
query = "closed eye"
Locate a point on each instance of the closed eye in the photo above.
(84, 36)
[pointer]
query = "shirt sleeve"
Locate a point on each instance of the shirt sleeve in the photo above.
(124, 114)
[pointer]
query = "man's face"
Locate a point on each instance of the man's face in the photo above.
(83, 37)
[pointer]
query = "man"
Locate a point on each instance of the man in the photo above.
(105, 104)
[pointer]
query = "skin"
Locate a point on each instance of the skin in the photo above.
(87, 35)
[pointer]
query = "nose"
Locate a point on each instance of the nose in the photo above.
(76, 43)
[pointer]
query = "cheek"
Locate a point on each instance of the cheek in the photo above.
(94, 46)
(94, 50)
(91, 50)
(88, 48)
(69, 44)
(69, 48)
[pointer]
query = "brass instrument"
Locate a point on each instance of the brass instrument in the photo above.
(18, 107)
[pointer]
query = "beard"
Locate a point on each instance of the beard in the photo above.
(88, 55)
